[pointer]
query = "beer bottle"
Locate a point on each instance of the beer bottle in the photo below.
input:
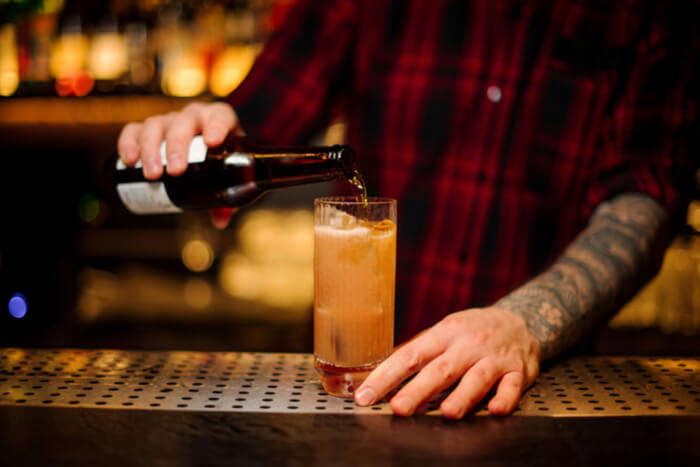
(231, 175)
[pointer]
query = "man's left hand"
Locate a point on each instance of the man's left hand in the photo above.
(480, 347)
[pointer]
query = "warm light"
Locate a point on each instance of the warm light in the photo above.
(335, 134)
(259, 234)
(670, 301)
(79, 83)
(231, 66)
(108, 56)
(17, 306)
(69, 55)
(274, 262)
(278, 285)
(9, 65)
(198, 293)
(240, 277)
(299, 240)
(185, 77)
(287, 286)
(9, 80)
(694, 215)
(271, 236)
(197, 255)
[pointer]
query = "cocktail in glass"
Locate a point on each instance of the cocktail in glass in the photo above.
(354, 271)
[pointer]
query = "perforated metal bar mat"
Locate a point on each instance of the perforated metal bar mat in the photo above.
(269, 382)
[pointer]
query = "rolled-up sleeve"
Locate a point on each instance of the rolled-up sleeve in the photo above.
(649, 133)
(299, 76)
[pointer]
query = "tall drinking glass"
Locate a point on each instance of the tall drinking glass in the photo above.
(354, 272)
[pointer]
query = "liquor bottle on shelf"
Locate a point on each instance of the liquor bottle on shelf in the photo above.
(231, 175)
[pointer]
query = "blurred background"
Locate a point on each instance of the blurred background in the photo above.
(77, 270)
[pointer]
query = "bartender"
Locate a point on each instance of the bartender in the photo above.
(537, 151)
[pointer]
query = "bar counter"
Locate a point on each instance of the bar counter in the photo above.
(106, 407)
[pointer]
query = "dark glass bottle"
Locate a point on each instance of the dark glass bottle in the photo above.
(231, 175)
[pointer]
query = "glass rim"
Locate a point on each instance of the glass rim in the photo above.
(352, 200)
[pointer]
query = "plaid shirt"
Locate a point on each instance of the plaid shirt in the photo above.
(498, 125)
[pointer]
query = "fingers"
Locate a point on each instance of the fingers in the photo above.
(220, 217)
(470, 390)
(183, 128)
(217, 121)
(404, 362)
(437, 376)
(150, 139)
(128, 144)
(507, 394)
(143, 140)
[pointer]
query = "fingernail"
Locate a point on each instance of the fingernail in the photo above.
(449, 408)
(402, 405)
(452, 411)
(365, 396)
(131, 153)
(151, 169)
(175, 161)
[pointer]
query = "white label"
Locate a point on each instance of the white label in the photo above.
(197, 153)
(146, 198)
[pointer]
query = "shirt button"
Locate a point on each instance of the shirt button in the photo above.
(493, 92)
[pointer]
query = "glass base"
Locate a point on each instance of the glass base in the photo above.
(342, 381)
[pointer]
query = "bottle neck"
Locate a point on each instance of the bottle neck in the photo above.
(281, 167)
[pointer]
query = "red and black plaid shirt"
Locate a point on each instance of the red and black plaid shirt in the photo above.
(498, 125)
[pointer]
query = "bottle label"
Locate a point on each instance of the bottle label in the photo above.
(197, 153)
(151, 197)
(146, 198)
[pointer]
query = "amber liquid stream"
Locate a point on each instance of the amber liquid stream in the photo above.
(354, 298)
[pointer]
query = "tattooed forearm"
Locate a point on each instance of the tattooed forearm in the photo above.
(599, 271)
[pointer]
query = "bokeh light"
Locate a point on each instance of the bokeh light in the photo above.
(694, 215)
(78, 84)
(273, 261)
(198, 293)
(230, 67)
(17, 306)
(9, 64)
(197, 255)
(108, 57)
(239, 277)
(88, 208)
(184, 76)
(69, 55)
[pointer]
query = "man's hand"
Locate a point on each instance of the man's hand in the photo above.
(481, 348)
(142, 141)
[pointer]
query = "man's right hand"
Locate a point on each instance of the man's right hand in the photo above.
(142, 141)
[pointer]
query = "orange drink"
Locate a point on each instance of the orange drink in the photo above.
(354, 270)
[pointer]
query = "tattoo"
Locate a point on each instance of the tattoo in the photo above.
(598, 272)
